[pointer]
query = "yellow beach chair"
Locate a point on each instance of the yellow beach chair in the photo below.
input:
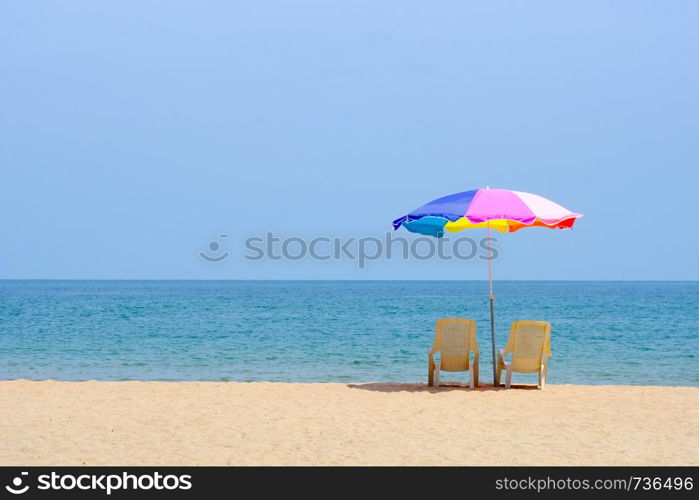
(530, 345)
(454, 339)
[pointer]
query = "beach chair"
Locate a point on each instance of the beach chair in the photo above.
(455, 340)
(530, 346)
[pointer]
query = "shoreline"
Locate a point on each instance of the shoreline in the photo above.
(280, 423)
(483, 386)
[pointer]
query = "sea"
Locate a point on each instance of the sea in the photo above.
(620, 333)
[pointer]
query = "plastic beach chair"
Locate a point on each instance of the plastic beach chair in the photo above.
(454, 340)
(530, 346)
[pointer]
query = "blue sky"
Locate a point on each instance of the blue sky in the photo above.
(134, 132)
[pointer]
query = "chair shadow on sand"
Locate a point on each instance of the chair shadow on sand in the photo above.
(447, 387)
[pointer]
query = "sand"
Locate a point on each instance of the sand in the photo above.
(206, 423)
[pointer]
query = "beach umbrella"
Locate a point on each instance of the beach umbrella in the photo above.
(499, 209)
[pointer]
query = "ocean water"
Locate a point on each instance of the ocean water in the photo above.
(643, 333)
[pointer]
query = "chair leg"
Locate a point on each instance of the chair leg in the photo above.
(543, 378)
(471, 385)
(436, 375)
(508, 379)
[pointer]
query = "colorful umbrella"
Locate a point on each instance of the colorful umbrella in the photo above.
(500, 209)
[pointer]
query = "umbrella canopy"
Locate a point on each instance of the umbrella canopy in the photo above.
(500, 209)
(506, 211)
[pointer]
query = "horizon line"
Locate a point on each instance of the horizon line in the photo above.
(351, 279)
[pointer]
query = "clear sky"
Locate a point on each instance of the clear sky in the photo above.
(132, 133)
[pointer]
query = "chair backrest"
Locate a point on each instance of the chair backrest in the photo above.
(455, 338)
(528, 342)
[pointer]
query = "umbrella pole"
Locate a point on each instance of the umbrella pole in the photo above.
(492, 300)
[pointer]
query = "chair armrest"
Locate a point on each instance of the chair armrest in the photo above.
(501, 358)
(431, 365)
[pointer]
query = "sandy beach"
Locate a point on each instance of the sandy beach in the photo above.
(202, 423)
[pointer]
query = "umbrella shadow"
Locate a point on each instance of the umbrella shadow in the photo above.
(449, 387)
